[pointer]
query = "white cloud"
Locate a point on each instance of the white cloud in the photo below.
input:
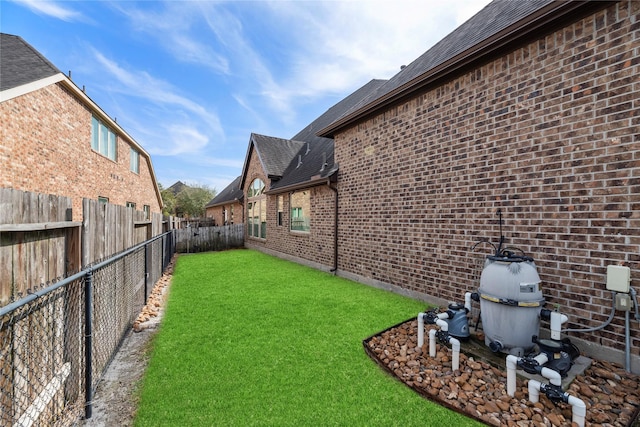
(172, 25)
(344, 44)
(51, 8)
(172, 123)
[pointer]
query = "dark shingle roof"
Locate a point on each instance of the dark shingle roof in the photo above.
(308, 134)
(315, 159)
(177, 187)
(497, 16)
(275, 154)
(21, 64)
(231, 193)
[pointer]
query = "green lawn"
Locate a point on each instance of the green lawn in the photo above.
(252, 340)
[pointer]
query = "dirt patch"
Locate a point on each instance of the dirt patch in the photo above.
(116, 398)
(478, 389)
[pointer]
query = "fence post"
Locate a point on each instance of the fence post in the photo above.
(146, 272)
(88, 343)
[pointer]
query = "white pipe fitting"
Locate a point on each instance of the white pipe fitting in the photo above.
(421, 329)
(432, 343)
(455, 344)
(467, 301)
(578, 407)
(556, 321)
(578, 410)
(455, 356)
(512, 365)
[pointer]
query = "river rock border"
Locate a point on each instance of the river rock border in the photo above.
(479, 390)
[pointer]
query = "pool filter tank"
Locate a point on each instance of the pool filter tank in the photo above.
(510, 300)
(510, 303)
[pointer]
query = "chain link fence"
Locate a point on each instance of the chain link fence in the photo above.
(56, 343)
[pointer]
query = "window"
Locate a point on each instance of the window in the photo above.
(147, 211)
(103, 199)
(257, 210)
(280, 203)
(300, 210)
(103, 140)
(131, 205)
(134, 161)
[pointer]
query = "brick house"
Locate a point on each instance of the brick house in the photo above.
(55, 140)
(227, 207)
(530, 107)
(290, 195)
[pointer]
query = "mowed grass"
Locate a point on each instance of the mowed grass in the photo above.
(252, 340)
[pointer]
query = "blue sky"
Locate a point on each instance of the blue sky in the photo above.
(190, 80)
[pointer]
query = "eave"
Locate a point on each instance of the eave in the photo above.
(315, 181)
(529, 28)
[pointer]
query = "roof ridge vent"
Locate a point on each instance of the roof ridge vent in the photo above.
(299, 161)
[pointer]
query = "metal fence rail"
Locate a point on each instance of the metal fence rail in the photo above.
(56, 343)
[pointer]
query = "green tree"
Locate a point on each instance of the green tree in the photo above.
(169, 202)
(191, 201)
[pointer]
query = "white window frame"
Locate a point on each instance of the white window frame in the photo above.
(103, 139)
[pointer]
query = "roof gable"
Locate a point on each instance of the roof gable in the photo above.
(21, 64)
(275, 154)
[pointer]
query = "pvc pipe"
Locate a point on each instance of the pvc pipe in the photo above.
(512, 364)
(578, 407)
(421, 329)
(467, 301)
(578, 410)
(553, 376)
(443, 325)
(455, 344)
(556, 321)
(534, 390)
(455, 357)
(627, 342)
(432, 343)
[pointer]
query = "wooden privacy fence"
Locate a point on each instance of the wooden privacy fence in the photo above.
(204, 239)
(40, 244)
(69, 292)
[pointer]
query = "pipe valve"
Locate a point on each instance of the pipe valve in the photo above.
(529, 365)
(554, 393)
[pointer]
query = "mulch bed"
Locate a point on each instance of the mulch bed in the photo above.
(479, 389)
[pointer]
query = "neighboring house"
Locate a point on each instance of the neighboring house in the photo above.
(227, 207)
(55, 140)
(177, 187)
(530, 107)
(290, 193)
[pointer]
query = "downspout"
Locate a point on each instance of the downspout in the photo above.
(335, 229)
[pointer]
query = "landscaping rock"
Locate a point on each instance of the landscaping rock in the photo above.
(478, 389)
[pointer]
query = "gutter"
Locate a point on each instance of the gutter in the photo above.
(331, 177)
(334, 270)
(529, 27)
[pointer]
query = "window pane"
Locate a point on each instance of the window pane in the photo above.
(112, 144)
(95, 134)
(300, 211)
(134, 161)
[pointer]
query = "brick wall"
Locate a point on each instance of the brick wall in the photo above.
(45, 147)
(316, 245)
(548, 134)
(235, 213)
